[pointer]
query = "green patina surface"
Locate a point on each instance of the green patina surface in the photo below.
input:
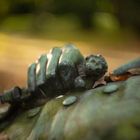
(95, 115)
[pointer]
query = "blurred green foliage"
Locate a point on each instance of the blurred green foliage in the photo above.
(125, 13)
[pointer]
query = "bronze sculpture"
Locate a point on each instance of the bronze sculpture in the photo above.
(106, 112)
(57, 72)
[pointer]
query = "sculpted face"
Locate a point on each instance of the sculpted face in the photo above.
(95, 66)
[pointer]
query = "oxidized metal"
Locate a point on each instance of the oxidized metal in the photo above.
(54, 74)
(130, 65)
(69, 100)
(33, 112)
(95, 116)
(110, 88)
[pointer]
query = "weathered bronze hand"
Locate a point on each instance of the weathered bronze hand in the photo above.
(57, 72)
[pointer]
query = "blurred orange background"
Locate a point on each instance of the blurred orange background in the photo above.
(30, 28)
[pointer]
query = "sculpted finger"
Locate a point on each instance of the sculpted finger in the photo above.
(79, 83)
(53, 82)
(53, 62)
(32, 77)
(130, 65)
(70, 57)
(41, 69)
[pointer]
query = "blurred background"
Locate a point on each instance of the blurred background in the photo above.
(29, 28)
